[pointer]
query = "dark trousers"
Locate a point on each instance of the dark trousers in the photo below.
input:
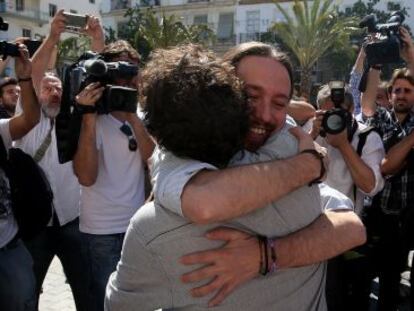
(65, 243)
(391, 260)
(348, 282)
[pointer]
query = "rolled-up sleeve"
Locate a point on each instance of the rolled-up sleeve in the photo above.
(170, 174)
(372, 154)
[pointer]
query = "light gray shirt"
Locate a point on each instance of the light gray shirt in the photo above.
(148, 275)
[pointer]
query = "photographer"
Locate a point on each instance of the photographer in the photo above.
(62, 237)
(109, 162)
(391, 210)
(17, 283)
(355, 156)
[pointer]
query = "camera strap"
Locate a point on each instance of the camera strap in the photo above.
(362, 138)
(40, 152)
(352, 130)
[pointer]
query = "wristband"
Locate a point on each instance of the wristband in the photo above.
(24, 79)
(263, 254)
(83, 109)
(320, 157)
(271, 245)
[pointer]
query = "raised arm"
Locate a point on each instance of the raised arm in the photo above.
(407, 51)
(45, 52)
(368, 104)
(94, 30)
(355, 79)
(85, 161)
(21, 124)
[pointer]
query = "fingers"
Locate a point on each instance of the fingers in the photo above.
(90, 94)
(199, 274)
(221, 295)
(206, 257)
(226, 234)
(207, 289)
(24, 52)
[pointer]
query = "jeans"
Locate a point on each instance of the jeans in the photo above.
(65, 243)
(101, 254)
(17, 282)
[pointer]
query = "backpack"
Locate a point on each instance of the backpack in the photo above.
(31, 194)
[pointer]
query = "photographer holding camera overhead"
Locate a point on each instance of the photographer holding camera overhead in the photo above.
(17, 282)
(355, 153)
(390, 217)
(109, 162)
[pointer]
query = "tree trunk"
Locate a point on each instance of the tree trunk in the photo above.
(305, 83)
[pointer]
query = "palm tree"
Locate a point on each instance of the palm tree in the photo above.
(311, 32)
(146, 31)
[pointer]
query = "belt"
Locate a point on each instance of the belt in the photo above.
(12, 244)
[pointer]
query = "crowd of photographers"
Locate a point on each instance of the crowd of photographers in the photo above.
(87, 134)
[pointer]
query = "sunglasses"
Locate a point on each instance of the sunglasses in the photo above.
(132, 142)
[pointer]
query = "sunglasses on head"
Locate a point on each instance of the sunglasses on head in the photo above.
(132, 142)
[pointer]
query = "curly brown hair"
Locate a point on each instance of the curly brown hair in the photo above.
(194, 104)
(114, 49)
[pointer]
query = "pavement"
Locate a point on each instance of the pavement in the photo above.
(57, 295)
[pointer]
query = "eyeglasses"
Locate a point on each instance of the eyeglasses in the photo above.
(132, 142)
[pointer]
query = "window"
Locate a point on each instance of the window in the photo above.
(252, 21)
(52, 9)
(26, 33)
(200, 20)
(19, 5)
(225, 26)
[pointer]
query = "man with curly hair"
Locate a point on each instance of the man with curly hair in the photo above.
(192, 105)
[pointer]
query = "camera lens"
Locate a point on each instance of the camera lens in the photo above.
(334, 121)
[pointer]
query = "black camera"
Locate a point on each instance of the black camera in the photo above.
(12, 49)
(387, 47)
(334, 121)
(4, 26)
(90, 68)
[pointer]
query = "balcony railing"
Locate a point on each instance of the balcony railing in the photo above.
(31, 14)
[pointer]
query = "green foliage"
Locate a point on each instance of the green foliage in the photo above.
(146, 31)
(311, 32)
(362, 8)
(70, 49)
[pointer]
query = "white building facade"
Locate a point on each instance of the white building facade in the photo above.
(31, 18)
(233, 21)
(253, 17)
